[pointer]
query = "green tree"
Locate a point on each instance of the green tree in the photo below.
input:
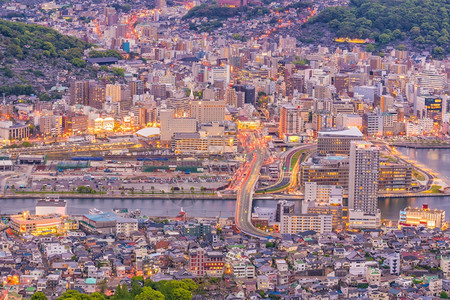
(149, 294)
(181, 294)
(415, 31)
(14, 50)
(97, 296)
(190, 284)
(78, 62)
(44, 97)
(121, 293)
(438, 51)
(443, 295)
(370, 48)
(136, 289)
(8, 72)
(384, 38)
(39, 296)
(119, 72)
(73, 295)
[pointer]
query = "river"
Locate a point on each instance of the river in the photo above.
(437, 159)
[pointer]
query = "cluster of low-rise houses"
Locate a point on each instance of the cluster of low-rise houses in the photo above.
(385, 263)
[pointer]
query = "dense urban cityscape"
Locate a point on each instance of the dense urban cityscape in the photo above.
(229, 149)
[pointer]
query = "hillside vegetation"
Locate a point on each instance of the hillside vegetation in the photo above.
(28, 50)
(421, 23)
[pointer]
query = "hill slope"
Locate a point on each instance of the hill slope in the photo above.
(422, 24)
(32, 56)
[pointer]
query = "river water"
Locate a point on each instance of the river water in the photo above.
(436, 159)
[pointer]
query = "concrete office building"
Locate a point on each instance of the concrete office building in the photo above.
(208, 111)
(290, 120)
(337, 141)
(330, 170)
(171, 125)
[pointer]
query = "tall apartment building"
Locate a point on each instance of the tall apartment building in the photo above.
(231, 97)
(79, 92)
(137, 87)
(363, 184)
(363, 180)
(394, 263)
(114, 91)
(290, 120)
(97, 96)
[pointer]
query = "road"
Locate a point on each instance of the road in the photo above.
(244, 202)
(289, 177)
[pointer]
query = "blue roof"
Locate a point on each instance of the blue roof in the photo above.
(104, 217)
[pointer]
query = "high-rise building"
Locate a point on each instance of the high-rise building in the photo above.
(250, 94)
(324, 200)
(114, 91)
(363, 177)
(394, 263)
(208, 111)
(97, 96)
(137, 87)
(290, 120)
(434, 108)
(363, 185)
(323, 194)
(231, 97)
(296, 82)
(79, 92)
(340, 82)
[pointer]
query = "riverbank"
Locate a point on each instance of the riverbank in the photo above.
(421, 146)
(206, 196)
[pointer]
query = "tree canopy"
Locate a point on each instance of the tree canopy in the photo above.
(425, 22)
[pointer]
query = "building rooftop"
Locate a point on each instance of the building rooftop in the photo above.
(351, 132)
(51, 202)
(104, 217)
